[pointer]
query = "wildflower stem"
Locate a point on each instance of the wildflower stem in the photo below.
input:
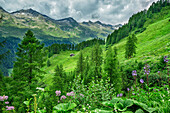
(168, 75)
(148, 84)
(135, 84)
(35, 103)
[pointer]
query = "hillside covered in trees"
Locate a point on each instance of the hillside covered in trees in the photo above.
(138, 22)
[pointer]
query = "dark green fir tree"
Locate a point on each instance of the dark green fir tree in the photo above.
(80, 65)
(27, 69)
(96, 62)
(111, 67)
(48, 63)
(130, 48)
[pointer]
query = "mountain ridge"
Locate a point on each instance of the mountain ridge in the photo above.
(49, 29)
(36, 13)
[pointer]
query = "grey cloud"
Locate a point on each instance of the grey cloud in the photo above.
(45, 7)
(95, 16)
(108, 11)
(85, 6)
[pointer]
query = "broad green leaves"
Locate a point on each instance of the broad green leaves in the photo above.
(65, 106)
(101, 111)
(123, 104)
(128, 105)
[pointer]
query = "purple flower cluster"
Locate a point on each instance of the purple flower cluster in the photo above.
(134, 73)
(165, 59)
(128, 89)
(70, 94)
(141, 81)
(58, 93)
(10, 107)
(82, 95)
(146, 69)
(6, 102)
(63, 97)
(2, 98)
(119, 95)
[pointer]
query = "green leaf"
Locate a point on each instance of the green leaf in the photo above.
(127, 103)
(65, 106)
(112, 102)
(119, 106)
(61, 107)
(139, 111)
(101, 111)
(108, 103)
(115, 100)
(123, 104)
(127, 112)
(26, 103)
(150, 110)
(71, 106)
(142, 105)
(41, 111)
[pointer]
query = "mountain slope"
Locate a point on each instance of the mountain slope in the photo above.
(152, 44)
(138, 22)
(45, 28)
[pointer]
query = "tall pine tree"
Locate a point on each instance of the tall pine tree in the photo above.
(96, 62)
(30, 58)
(130, 49)
(111, 67)
(27, 69)
(59, 77)
(87, 78)
(80, 65)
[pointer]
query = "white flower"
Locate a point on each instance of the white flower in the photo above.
(41, 89)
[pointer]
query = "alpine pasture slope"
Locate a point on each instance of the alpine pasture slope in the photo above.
(153, 43)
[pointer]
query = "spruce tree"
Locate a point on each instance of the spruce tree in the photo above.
(96, 62)
(134, 41)
(86, 77)
(27, 69)
(48, 63)
(111, 67)
(28, 58)
(117, 79)
(130, 48)
(59, 79)
(5, 53)
(108, 40)
(72, 47)
(109, 64)
(80, 65)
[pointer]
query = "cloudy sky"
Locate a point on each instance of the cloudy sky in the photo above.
(107, 11)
